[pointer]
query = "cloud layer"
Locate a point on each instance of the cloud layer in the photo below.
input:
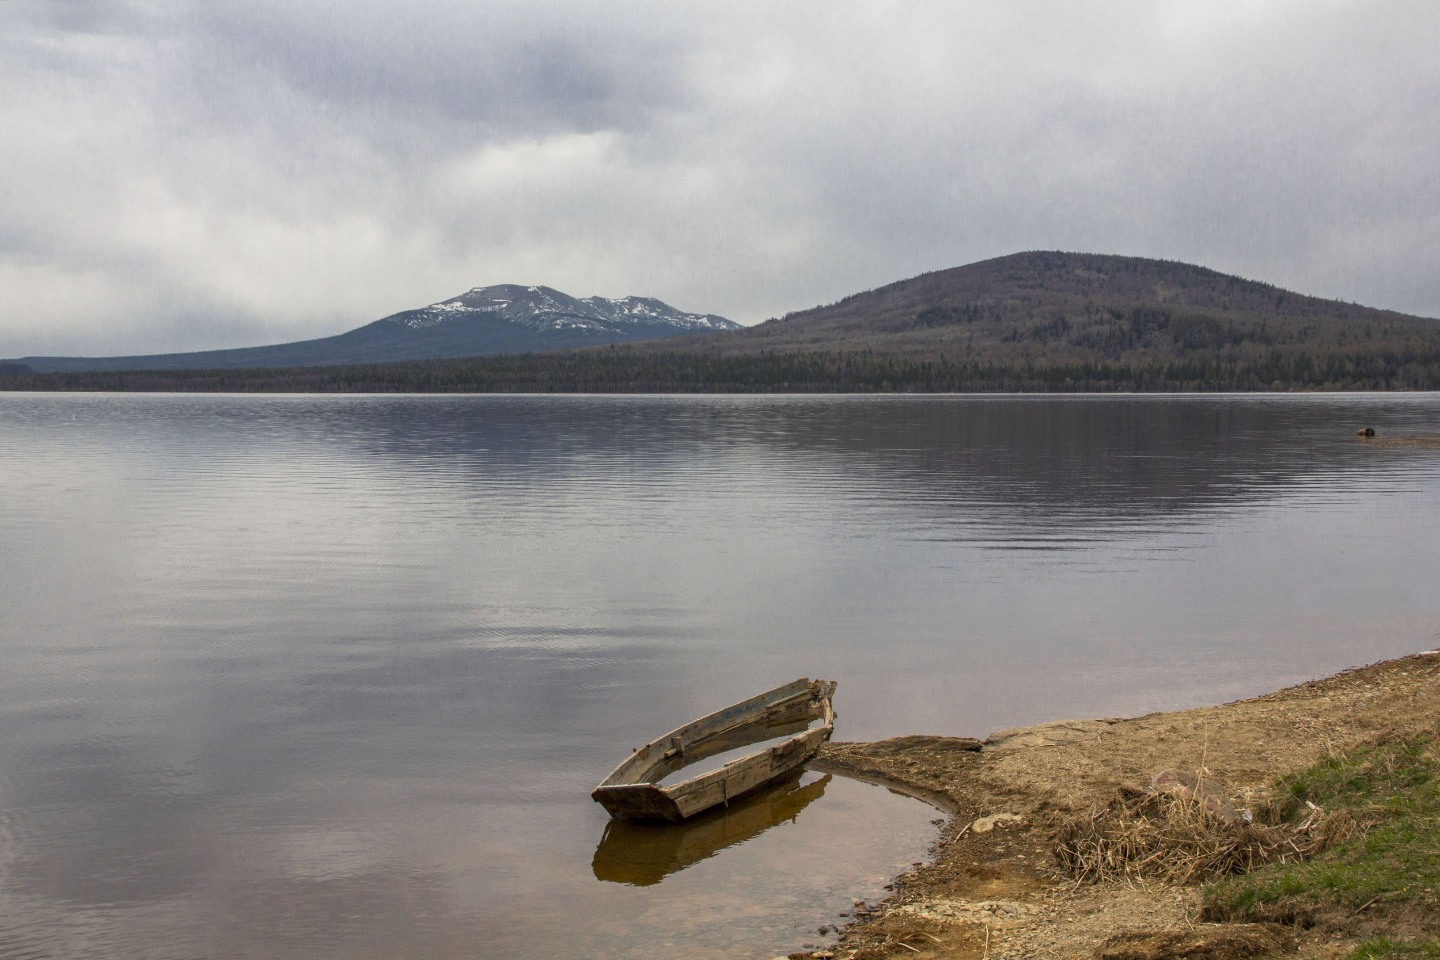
(192, 175)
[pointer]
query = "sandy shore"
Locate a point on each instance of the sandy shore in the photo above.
(993, 888)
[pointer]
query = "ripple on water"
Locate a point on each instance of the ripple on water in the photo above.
(334, 676)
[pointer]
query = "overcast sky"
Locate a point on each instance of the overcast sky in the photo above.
(178, 176)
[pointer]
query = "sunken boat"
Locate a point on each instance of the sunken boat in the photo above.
(633, 791)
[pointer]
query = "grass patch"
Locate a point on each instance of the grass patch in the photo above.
(1388, 868)
(1384, 948)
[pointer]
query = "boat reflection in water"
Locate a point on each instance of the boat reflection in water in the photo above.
(642, 854)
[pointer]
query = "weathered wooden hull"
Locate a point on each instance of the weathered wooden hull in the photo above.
(633, 791)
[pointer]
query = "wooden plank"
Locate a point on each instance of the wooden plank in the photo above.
(746, 774)
(631, 790)
(643, 764)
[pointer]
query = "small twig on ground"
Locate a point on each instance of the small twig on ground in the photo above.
(1367, 904)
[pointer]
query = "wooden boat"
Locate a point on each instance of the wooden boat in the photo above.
(633, 790)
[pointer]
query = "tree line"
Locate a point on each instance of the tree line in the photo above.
(624, 370)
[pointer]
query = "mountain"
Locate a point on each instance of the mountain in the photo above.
(1052, 306)
(506, 318)
(1026, 322)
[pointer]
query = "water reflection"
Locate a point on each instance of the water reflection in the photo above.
(643, 854)
(981, 462)
(354, 664)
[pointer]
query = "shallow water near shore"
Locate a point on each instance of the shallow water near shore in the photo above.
(333, 676)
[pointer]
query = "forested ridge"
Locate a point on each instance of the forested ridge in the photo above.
(1028, 322)
(864, 371)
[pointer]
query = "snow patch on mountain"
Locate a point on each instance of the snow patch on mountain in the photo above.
(542, 308)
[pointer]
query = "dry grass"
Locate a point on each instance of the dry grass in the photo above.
(1177, 840)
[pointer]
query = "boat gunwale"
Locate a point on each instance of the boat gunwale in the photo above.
(815, 695)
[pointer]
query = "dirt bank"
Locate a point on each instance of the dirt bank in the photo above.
(993, 888)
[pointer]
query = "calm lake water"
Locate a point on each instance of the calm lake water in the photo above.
(333, 676)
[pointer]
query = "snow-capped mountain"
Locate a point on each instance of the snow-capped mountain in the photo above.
(544, 308)
(506, 318)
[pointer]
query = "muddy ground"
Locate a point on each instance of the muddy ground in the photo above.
(994, 889)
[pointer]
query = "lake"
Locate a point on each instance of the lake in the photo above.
(307, 676)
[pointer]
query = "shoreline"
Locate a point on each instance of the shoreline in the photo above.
(992, 888)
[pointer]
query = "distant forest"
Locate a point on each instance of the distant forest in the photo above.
(628, 370)
(1028, 322)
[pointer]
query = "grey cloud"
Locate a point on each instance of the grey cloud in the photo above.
(194, 175)
(498, 68)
